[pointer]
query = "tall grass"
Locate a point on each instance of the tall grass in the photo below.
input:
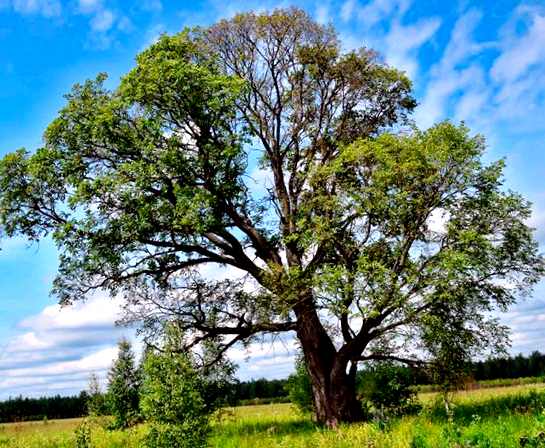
(487, 418)
(486, 384)
(480, 419)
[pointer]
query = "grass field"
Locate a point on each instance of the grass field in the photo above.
(487, 418)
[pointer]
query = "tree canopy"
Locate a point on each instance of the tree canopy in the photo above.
(373, 240)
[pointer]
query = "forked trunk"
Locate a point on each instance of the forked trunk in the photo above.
(335, 398)
(334, 388)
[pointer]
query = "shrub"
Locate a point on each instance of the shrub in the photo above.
(96, 400)
(299, 387)
(83, 435)
(189, 434)
(172, 398)
(389, 389)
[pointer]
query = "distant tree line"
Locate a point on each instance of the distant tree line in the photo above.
(260, 388)
(518, 366)
(23, 409)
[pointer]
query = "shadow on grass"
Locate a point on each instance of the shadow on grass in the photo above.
(464, 413)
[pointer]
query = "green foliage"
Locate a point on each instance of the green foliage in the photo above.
(172, 397)
(299, 387)
(388, 389)
(188, 434)
(83, 435)
(218, 374)
(96, 399)
(123, 387)
(171, 391)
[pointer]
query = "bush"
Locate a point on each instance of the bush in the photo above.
(83, 435)
(189, 434)
(388, 389)
(299, 387)
(96, 400)
(172, 398)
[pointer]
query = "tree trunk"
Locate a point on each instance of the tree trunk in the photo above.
(334, 389)
(335, 398)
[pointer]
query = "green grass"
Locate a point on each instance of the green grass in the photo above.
(61, 434)
(495, 417)
(278, 426)
(485, 384)
(508, 417)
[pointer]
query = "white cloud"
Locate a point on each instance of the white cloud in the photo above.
(271, 358)
(517, 73)
(124, 24)
(152, 35)
(471, 102)
(461, 44)
(322, 14)
(151, 5)
(376, 11)
(347, 10)
(46, 8)
(402, 41)
(437, 221)
(521, 52)
(505, 93)
(61, 346)
(102, 21)
(89, 6)
(452, 75)
(97, 311)
(383, 25)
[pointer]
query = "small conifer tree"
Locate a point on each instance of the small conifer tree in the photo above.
(123, 387)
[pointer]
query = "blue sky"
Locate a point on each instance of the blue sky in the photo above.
(481, 62)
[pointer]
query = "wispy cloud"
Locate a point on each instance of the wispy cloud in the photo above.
(452, 75)
(102, 21)
(383, 25)
(270, 358)
(45, 8)
(376, 11)
(151, 5)
(322, 13)
(521, 52)
(403, 42)
(493, 83)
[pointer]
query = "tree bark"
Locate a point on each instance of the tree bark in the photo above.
(334, 388)
(335, 398)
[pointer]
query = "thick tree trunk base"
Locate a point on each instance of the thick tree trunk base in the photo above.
(337, 402)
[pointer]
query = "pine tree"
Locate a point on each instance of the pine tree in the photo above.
(123, 387)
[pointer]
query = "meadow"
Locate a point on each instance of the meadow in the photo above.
(487, 418)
